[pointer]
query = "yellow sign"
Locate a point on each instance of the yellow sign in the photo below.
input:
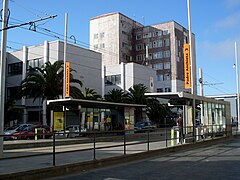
(187, 68)
(58, 118)
(67, 90)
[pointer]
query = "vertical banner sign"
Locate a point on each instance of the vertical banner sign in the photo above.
(187, 68)
(67, 94)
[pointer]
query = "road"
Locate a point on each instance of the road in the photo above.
(221, 161)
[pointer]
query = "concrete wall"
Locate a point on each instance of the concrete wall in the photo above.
(134, 74)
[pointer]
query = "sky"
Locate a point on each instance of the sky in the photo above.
(215, 23)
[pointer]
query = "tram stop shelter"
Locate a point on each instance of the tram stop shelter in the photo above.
(93, 115)
(213, 113)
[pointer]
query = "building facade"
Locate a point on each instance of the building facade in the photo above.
(160, 46)
(125, 75)
(86, 63)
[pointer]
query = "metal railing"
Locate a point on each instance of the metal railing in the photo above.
(147, 139)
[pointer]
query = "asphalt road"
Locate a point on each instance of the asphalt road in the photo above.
(221, 162)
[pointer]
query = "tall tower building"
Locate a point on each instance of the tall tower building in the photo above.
(159, 46)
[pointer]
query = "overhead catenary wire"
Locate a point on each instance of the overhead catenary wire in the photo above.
(53, 34)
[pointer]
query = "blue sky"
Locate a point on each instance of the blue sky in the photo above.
(215, 23)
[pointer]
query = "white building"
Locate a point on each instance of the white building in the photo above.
(86, 63)
(125, 75)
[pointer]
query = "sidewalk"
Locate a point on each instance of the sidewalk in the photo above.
(38, 166)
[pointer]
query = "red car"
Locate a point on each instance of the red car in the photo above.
(43, 131)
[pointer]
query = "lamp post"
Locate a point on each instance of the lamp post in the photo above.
(237, 82)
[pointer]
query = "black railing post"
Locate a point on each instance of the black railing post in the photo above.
(124, 142)
(94, 145)
(166, 135)
(212, 131)
(148, 140)
(54, 150)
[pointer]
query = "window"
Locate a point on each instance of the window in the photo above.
(95, 46)
(124, 32)
(139, 58)
(167, 89)
(102, 46)
(12, 91)
(159, 89)
(15, 69)
(147, 35)
(95, 36)
(139, 47)
(167, 65)
(113, 79)
(158, 33)
(157, 44)
(166, 54)
(160, 43)
(124, 45)
(154, 44)
(165, 32)
(138, 36)
(128, 58)
(160, 77)
(166, 42)
(167, 77)
(158, 66)
(157, 55)
(38, 62)
(149, 56)
(101, 34)
(149, 45)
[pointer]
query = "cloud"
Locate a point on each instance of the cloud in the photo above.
(229, 22)
(232, 3)
(217, 51)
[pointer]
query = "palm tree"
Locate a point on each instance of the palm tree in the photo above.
(137, 96)
(47, 82)
(90, 94)
(157, 111)
(116, 95)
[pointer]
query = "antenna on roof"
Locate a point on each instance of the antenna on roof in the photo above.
(143, 20)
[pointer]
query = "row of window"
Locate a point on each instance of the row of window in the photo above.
(101, 46)
(113, 80)
(157, 55)
(167, 89)
(16, 68)
(164, 77)
(97, 35)
(154, 44)
(151, 34)
(161, 66)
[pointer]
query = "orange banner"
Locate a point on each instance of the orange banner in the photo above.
(67, 90)
(187, 67)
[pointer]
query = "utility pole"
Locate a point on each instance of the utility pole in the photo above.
(4, 29)
(192, 69)
(3, 69)
(201, 92)
(237, 82)
(65, 55)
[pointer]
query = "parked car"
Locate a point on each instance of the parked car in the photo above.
(14, 129)
(72, 131)
(143, 125)
(43, 131)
